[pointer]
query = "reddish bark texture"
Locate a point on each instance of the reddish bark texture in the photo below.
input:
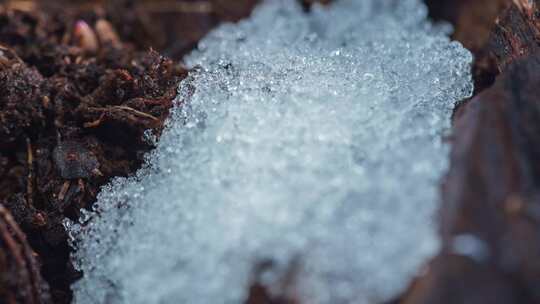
(490, 217)
(516, 34)
(473, 20)
(492, 195)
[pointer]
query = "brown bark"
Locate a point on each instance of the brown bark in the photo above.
(491, 197)
(472, 19)
(516, 34)
(490, 217)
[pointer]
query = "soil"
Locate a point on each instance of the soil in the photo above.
(19, 270)
(79, 85)
(81, 81)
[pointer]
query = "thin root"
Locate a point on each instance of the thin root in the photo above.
(121, 108)
(30, 177)
(200, 7)
(64, 190)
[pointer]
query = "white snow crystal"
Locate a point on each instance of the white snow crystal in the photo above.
(313, 141)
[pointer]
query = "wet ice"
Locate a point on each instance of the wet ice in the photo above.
(310, 140)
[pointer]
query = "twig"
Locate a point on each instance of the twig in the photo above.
(124, 108)
(525, 6)
(94, 123)
(200, 7)
(30, 178)
(4, 48)
(137, 112)
(16, 242)
(64, 190)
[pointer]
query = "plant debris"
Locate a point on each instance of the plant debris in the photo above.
(79, 87)
(20, 279)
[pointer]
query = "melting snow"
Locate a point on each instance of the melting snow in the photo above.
(310, 140)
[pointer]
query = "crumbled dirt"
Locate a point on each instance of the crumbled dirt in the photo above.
(20, 279)
(79, 85)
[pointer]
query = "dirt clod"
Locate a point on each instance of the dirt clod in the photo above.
(20, 279)
(73, 160)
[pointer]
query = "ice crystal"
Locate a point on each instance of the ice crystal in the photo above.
(311, 141)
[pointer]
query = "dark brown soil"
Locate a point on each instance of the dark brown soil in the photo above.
(79, 85)
(20, 278)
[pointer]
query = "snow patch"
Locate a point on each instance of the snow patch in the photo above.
(313, 141)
